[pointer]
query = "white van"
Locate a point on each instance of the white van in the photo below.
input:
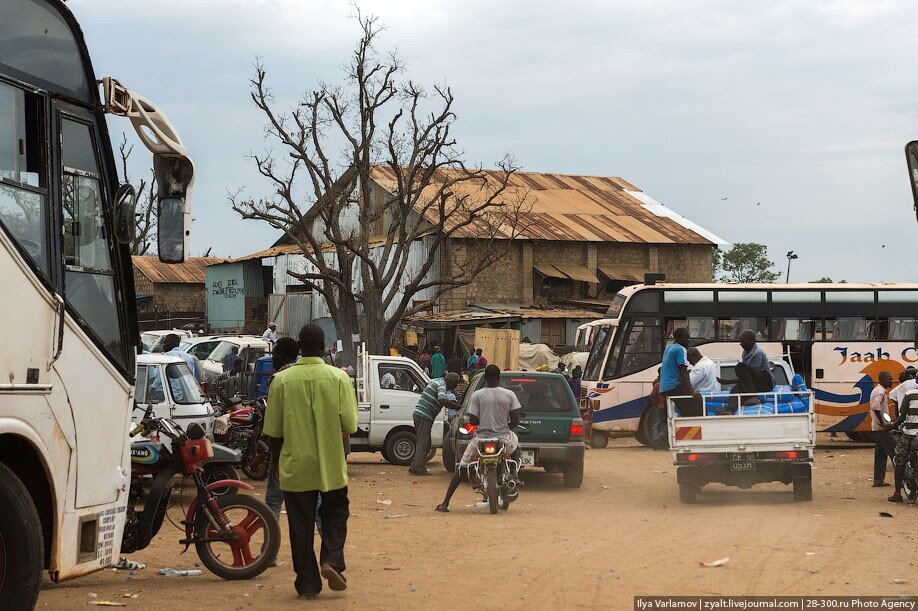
(388, 390)
(180, 398)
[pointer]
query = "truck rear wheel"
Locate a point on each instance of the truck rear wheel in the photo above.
(400, 448)
(573, 474)
(21, 545)
(688, 492)
(449, 456)
(803, 489)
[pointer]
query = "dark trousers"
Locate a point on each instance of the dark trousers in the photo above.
(422, 428)
(752, 380)
(690, 406)
(884, 446)
(301, 516)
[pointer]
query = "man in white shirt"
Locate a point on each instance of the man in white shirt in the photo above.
(388, 380)
(269, 335)
(906, 383)
(171, 348)
(884, 443)
(703, 373)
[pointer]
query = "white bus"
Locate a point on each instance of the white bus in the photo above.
(68, 324)
(839, 337)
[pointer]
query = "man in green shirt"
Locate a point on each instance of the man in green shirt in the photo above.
(433, 399)
(310, 406)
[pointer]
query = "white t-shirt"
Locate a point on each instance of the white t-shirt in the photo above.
(269, 335)
(493, 407)
(898, 393)
(703, 376)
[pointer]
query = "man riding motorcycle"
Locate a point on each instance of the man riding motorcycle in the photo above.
(495, 411)
(907, 422)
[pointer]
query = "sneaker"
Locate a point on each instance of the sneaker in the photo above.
(880, 484)
(336, 581)
(895, 498)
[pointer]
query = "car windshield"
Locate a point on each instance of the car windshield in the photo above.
(222, 349)
(540, 393)
(184, 388)
(184, 346)
(150, 339)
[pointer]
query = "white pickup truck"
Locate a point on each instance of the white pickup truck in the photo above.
(772, 440)
(388, 389)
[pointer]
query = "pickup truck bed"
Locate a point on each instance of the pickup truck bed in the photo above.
(752, 446)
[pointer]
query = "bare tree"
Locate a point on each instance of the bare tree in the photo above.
(336, 142)
(146, 203)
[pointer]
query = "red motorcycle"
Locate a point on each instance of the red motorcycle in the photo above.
(236, 536)
(244, 434)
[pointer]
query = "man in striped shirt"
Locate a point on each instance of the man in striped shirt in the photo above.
(907, 422)
(433, 399)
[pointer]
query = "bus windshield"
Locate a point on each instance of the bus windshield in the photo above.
(598, 352)
(615, 308)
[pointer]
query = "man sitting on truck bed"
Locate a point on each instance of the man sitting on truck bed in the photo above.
(753, 373)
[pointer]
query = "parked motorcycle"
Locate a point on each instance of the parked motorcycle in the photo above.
(244, 435)
(495, 475)
(910, 481)
(236, 536)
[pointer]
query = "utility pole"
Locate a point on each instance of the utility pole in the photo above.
(791, 255)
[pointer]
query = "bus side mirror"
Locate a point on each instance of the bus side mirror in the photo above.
(174, 177)
(911, 158)
(125, 206)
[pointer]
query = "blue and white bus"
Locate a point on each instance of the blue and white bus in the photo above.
(837, 336)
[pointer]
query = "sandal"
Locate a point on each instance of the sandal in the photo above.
(441, 508)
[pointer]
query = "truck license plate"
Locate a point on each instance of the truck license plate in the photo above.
(741, 462)
(527, 458)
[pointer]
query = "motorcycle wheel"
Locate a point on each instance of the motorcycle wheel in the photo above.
(504, 503)
(259, 462)
(259, 538)
(909, 483)
(216, 471)
(491, 488)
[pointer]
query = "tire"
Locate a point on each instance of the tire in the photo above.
(213, 554)
(491, 488)
(504, 504)
(599, 439)
(449, 456)
(21, 545)
(430, 455)
(688, 492)
(573, 474)
(259, 462)
(803, 489)
(909, 483)
(400, 448)
(643, 435)
(216, 471)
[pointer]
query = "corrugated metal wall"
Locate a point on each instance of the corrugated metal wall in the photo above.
(418, 254)
(290, 312)
(531, 328)
(225, 295)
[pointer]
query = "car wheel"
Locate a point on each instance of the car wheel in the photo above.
(449, 456)
(573, 474)
(400, 448)
(803, 489)
(688, 492)
(599, 439)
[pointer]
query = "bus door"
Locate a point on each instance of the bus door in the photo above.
(636, 356)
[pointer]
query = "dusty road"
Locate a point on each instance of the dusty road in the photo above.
(623, 533)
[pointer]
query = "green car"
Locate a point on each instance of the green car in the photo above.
(550, 430)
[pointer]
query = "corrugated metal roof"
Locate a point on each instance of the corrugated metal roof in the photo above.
(504, 314)
(189, 272)
(623, 272)
(574, 208)
(579, 273)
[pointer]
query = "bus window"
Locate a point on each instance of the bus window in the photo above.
(644, 302)
(730, 329)
(689, 303)
(643, 347)
(597, 352)
(848, 329)
(700, 329)
(23, 186)
(793, 329)
(850, 303)
(902, 329)
(742, 303)
(615, 308)
(89, 281)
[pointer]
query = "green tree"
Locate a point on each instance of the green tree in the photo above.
(827, 280)
(745, 262)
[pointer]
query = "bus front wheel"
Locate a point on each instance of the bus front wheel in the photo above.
(21, 545)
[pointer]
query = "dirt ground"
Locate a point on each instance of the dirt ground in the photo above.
(624, 533)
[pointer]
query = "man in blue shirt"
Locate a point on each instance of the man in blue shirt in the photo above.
(753, 372)
(674, 375)
(171, 347)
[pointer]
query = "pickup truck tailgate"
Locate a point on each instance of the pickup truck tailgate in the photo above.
(729, 433)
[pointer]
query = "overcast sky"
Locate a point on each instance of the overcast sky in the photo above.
(803, 107)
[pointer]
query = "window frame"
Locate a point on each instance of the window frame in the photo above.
(411, 373)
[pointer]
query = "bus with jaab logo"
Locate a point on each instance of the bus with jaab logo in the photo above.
(836, 337)
(69, 322)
